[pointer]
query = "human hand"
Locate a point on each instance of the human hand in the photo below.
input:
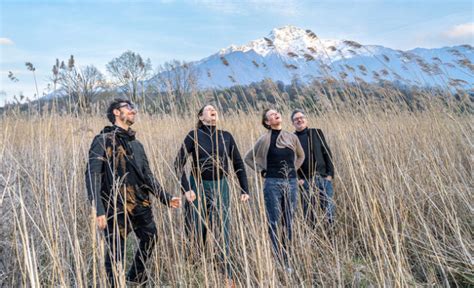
(175, 202)
(244, 197)
(329, 178)
(190, 196)
(301, 182)
(101, 222)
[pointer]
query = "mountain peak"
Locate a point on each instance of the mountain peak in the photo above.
(287, 33)
(284, 40)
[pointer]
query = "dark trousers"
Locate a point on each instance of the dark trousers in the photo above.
(280, 202)
(208, 217)
(118, 227)
(318, 189)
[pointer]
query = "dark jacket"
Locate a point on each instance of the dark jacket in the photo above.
(103, 166)
(320, 154)
(211, 158)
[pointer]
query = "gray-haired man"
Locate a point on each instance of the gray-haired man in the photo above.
(316, 174)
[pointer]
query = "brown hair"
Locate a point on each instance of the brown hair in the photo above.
(264, 119)
(115, 104)
(199, 123)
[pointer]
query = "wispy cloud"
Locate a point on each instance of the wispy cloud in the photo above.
(6, 41)
(460, 32)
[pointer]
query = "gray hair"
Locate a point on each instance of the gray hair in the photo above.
(296, 111)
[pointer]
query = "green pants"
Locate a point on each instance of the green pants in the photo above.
(208, 217)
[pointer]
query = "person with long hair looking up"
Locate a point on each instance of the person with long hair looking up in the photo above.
(207, 191)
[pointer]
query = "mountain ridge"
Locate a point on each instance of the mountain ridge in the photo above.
(290, 52)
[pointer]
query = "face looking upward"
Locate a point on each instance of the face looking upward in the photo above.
(125, 114)
(299, 121)
(209, 115)
(273, 118)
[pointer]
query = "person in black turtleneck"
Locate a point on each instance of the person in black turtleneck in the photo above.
(277, 155)
(118, 182)
(317, 171)
(280, 161)
(207, 192)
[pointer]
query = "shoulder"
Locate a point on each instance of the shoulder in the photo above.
(226, 134)
(106, 134)
(260, 140)
(191, 134)
(264, 136)
(138, 143)
(316, 131)
(100, 138)
(137, 146)
(98, 145)
(289, 134)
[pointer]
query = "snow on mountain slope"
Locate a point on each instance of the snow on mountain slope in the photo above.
(290, 52)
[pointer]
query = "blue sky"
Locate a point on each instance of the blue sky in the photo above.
(97, 31)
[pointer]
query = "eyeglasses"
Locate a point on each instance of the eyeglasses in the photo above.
(296, 119)
(128, 106)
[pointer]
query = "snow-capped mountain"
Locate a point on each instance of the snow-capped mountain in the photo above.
(290, 52)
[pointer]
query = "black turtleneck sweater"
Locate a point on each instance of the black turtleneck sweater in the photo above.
(280, 161)
(210, 149)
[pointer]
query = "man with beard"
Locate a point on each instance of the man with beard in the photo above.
(119, 181)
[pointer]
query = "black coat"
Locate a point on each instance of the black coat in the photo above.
(319, 154)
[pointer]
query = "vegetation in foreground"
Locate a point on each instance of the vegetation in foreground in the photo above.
(403, 191)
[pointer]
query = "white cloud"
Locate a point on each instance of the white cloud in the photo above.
(6, 41)
(461, 31)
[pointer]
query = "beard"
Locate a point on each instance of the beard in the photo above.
(124, 117)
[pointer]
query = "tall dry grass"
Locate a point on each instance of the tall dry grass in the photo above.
(403, 192)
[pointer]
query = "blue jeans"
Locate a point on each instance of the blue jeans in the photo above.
(318, 188)
(280, 202)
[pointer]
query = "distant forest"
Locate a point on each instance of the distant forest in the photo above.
(173, 88)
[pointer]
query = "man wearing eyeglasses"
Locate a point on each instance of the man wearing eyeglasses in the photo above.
(316, 174)
(119, 182)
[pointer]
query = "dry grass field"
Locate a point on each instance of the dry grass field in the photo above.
(403, 192)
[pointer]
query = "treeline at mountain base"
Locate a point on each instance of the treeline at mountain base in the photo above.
(319, 96)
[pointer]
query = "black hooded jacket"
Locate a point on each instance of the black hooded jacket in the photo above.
(118, 175)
